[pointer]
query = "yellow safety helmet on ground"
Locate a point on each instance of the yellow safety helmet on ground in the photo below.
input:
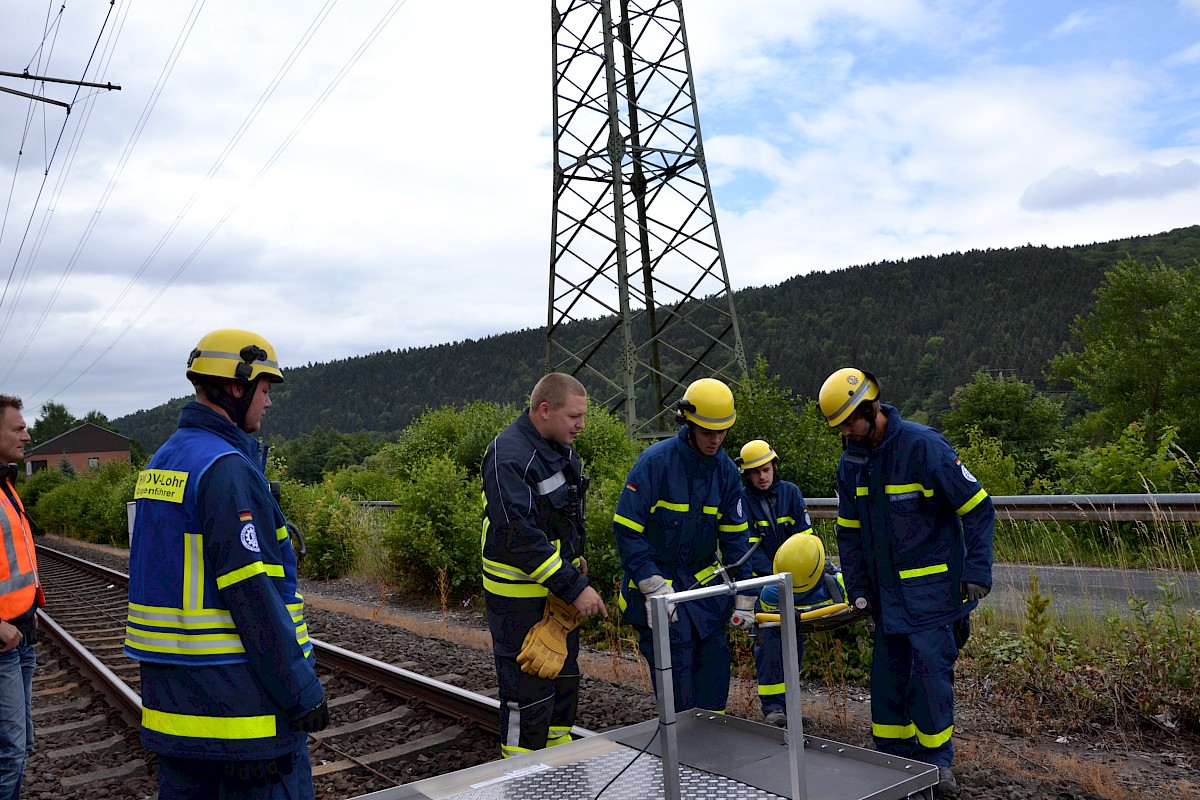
(708, 403)
(844, 391)
(754, 454)
(803, 555)
(234, 354)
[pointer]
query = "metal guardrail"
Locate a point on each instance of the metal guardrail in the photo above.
(1038, 507)
(1072, 507)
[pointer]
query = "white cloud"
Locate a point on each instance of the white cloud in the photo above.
(1077, 21)
(1069, 187)
(413, 208)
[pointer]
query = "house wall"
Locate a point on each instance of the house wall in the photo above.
(79, 461)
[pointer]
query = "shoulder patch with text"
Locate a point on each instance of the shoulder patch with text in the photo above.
(160, 484)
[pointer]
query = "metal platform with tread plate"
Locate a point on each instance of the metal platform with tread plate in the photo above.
(720, 757)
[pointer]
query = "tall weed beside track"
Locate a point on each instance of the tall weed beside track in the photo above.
(1142, 677)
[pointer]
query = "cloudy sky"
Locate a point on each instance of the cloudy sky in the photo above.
(351, 177)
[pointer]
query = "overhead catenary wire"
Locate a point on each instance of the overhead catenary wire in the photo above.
(73, 151)
(374, 34)
(131, 144)
(187, 207)
(47, 28)
(25, 132)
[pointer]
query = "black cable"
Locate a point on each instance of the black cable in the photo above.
(621, 772)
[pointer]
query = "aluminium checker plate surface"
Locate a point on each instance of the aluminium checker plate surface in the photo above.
(640, 780)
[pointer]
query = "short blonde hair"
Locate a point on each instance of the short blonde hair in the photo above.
(555, 388)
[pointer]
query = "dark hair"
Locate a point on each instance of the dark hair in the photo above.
(11, 401)
(867, 409)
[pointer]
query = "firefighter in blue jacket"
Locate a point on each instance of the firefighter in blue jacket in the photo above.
(914, 530)
(533, 537)
(780, 522)
(682, 500)
(229, 688)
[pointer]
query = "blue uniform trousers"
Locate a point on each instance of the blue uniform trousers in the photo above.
(534, 712)
(699, 668)
(201, 779)
(768, 658)
(912, 694)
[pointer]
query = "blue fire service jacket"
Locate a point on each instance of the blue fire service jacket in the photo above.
(774, 514)
(912, 524)
(677, 506)
(214, 615)
(533, 519)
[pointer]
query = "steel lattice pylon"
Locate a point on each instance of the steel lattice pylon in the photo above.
(636, 265)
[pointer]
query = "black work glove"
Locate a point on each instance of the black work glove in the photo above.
(962, 632)
(315, 719)
(973, 592)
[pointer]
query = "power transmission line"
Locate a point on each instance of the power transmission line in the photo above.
(333, 84)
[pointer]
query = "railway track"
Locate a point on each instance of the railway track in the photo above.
(389, 725)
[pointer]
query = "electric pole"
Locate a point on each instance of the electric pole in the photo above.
(636, 264)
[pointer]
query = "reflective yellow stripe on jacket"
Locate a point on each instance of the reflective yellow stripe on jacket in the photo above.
(509, 581)
(202, 727)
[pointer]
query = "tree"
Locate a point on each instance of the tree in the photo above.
(97, 418)
(1008, 409)
(321, 452)
(55, 420)
(1139, 356)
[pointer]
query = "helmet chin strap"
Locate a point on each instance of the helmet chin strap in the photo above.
(235, 408)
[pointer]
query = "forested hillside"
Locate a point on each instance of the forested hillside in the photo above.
(924, 326)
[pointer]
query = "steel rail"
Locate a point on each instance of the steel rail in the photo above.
(463, 705)
(460, 704)
(120, 695)
(1167, 508)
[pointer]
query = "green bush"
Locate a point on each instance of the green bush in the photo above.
(1134, 463)
(360, 483)
(605, 448)
(839, 656)
(600, 549)
(32, 488)
(999, 473)
(91, 506)
(461, 436)
(331, 526)
(432, 538)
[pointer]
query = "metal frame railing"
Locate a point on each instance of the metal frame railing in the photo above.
(1071, 507)
(660, 614)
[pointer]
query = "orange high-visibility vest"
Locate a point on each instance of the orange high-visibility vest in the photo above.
(20, 588)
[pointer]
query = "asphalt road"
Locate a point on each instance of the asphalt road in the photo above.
(1089, 591)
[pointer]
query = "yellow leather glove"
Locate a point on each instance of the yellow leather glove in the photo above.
(544, 650)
